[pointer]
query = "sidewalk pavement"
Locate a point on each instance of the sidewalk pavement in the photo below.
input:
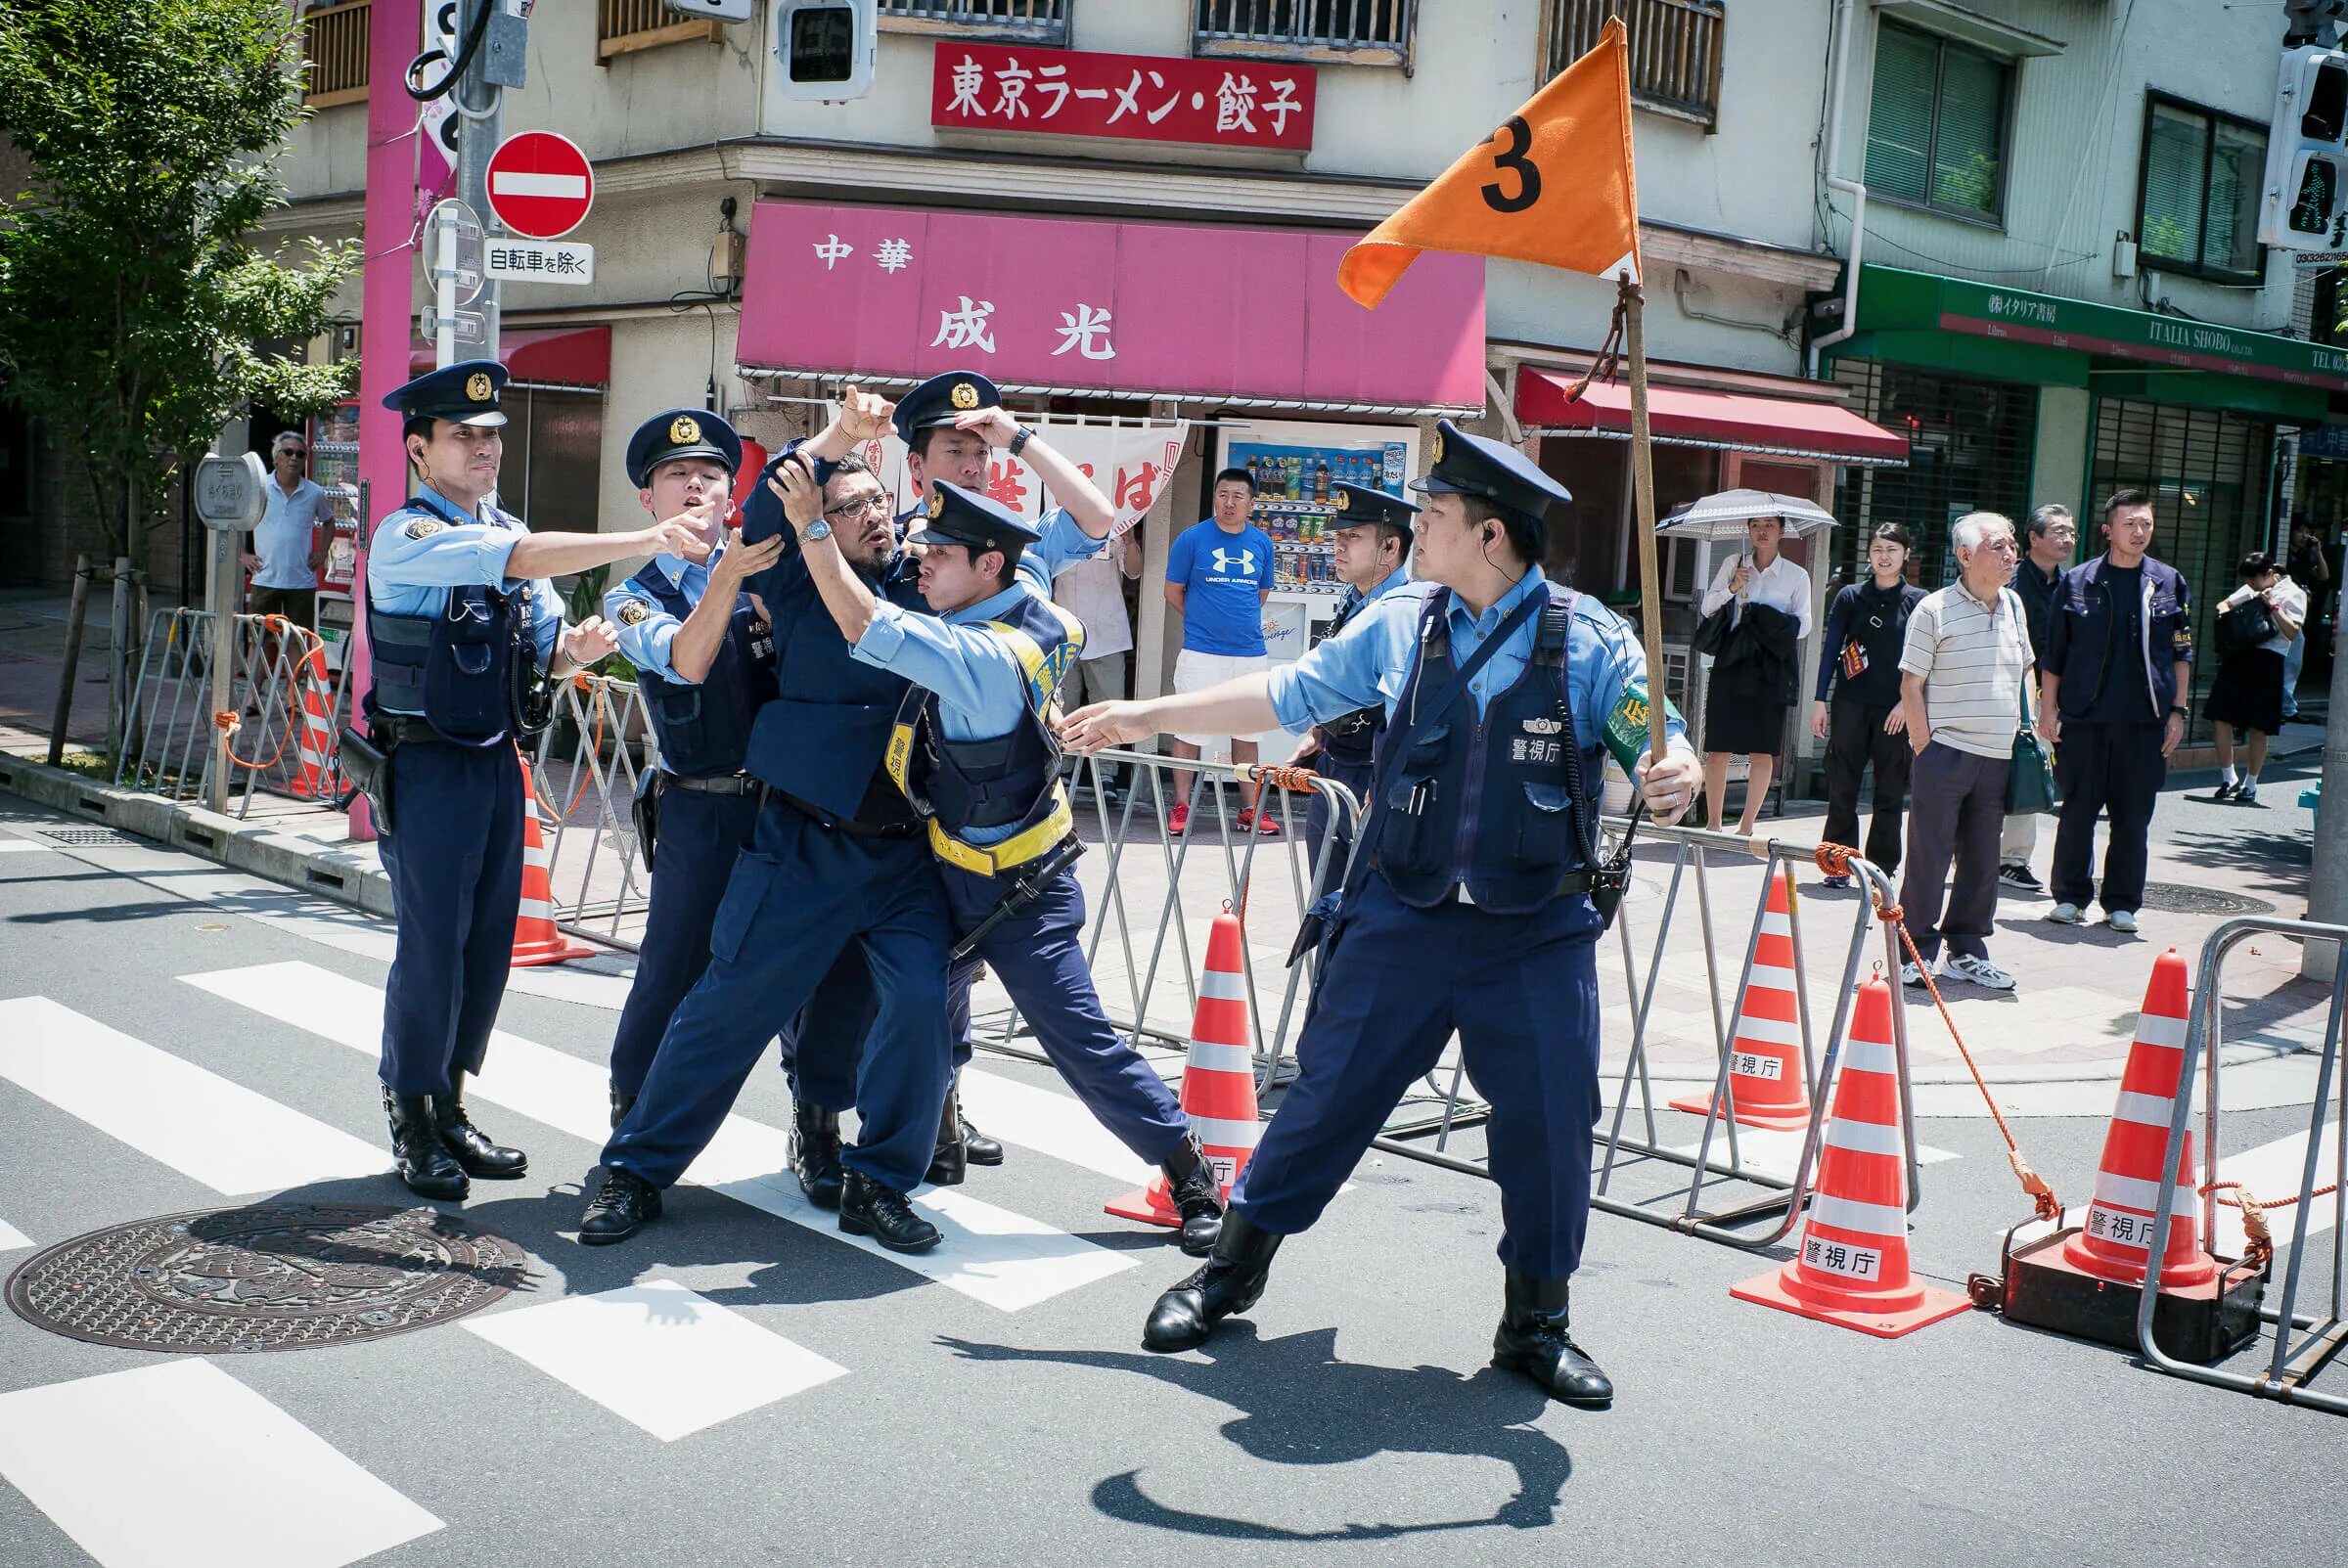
(2071, 1018)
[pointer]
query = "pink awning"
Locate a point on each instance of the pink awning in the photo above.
(1734, 420)
(550, 356)
(1144, 309)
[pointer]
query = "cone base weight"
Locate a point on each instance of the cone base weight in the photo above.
(1147, 1204)
(2200, 1324)
(1884, 1322)
(1773, 1121)
(558, 953)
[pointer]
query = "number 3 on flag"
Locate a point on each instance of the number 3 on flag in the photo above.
(1512, 160)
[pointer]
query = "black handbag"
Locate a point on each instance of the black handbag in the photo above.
(1712, 632)
(2243, 626)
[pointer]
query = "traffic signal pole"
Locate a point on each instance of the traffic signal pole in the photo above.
(480, 126)
(2328, 886)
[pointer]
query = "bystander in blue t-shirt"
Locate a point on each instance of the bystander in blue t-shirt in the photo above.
(1223, 576)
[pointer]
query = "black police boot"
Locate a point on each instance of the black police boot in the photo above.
(1191, 1183)
(950, 1162)
(867, 1208)
(815, 1153)
(621, 1104)
(621, 1205)
(976, 1146)
(1233, 1281)
(492, 1162)
(1534, 1339)
(425, 1163)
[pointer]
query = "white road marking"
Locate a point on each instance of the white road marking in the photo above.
(215, 1467)
(19, 846)
(663, 1356)
(2272, 1173)
(991, 1255)
(1050, 1123)
(201, 1125)
(11, 1238)
(1769, 1152)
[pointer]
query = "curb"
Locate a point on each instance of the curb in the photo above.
(348, 875)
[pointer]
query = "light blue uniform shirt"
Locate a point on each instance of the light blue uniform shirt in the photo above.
(1370, 659)
(646, 644)
(407, 575)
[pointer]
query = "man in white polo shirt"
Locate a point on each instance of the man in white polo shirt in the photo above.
(1961, 684)
(291, 542)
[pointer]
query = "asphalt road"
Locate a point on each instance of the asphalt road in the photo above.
(853, 1410)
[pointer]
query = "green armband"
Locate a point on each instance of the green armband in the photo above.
(1626, 725)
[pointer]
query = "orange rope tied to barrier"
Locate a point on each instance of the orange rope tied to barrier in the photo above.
(1835, 861)
(1296, 781)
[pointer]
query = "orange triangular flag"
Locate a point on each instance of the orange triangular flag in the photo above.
(1552, 185)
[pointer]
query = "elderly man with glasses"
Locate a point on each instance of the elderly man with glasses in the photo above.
(290, 545)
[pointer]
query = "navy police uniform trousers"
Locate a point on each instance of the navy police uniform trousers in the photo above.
(799, 897)
(454, 858)
(701, 837)
(1521, 991)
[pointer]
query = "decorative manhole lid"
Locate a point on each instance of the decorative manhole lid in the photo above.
(2175, 898)
(87, 837)
(272, 1277)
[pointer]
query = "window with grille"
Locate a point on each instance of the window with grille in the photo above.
(1675, 50)
(334, 40)
(623, 26)
(1937, 124)
(1036, 22)
(2198, 192)
(1970, 447)
(1345, 33)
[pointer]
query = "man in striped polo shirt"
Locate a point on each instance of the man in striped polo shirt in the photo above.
(1962, 680)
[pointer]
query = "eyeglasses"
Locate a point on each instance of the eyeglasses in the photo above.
(863, 506)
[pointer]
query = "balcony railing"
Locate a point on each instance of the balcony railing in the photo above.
(1336, 33)
(623, 26)
(1035, 21)
(1675, 50)
(334, 39)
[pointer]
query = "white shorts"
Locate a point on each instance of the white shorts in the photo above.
(1195, 672)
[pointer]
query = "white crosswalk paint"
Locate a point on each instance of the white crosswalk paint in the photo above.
(1051, 1123)
(216, 1471)
(991, 1255)
(663, 1356)
(1769, 1152)
(19, 846)
(11, 1238)
(2272, 1173)
(201, 1125)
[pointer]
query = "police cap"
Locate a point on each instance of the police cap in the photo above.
(1471, 465)
(463, 394)
(942, 400)
(681, 432)
(958, 517)
(1358, 505)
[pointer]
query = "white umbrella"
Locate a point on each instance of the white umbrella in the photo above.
(1724, 515)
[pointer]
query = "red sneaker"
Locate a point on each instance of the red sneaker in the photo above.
(1266, 823)
(1178, 821)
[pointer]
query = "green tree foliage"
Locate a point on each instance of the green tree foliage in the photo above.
(132, 295)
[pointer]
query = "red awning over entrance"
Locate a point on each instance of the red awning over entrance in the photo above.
(548, 356)
(1732, 420)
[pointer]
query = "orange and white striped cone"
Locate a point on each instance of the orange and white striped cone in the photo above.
(537, 939)
(1766, 1081)
(2116, 1241)
(1852, 1265)
(315, 780)
(1218, 1079)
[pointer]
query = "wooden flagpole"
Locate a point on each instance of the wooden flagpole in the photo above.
(1642, 490)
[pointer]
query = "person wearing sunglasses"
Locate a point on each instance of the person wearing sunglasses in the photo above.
(288, 545)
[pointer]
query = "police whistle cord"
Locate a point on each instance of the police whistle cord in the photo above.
(1835, 861)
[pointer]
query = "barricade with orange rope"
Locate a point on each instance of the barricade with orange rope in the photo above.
(279, 669)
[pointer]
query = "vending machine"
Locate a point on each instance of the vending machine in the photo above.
(335, 464)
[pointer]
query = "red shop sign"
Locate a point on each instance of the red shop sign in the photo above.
(1148, 98)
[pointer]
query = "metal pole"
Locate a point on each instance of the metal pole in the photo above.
(224, 652)
(1643, 484)
(479, 128)
(2328, 885)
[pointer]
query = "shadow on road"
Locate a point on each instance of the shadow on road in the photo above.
(1300, 1405)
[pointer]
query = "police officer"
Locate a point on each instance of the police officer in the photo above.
(835, 860)
(464, 630)
(976, 756)
(1373, 540)
(1471, 895)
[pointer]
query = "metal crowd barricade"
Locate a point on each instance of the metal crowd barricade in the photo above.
(2303, 1342)
(169, 729)
(586, 768)
(1433, 1121)
(1145, 887)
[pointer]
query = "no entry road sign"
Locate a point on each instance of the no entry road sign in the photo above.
(540, 185)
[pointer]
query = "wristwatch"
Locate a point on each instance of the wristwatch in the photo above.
(2180, 713)
(1019, 440)
(818, 529)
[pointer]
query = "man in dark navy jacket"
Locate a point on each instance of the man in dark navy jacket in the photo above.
(2117, 664)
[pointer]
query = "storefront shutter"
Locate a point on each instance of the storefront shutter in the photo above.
(1899, 124)
(1971, 448)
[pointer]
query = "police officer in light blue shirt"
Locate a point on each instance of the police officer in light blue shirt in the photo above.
(464, 630)
(976, 756)
(1471, 895)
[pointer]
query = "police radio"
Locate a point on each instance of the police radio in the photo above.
(532, 699)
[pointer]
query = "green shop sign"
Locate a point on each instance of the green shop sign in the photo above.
(1892, 299)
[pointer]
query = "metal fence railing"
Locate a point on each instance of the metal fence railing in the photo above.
(1358, 33)
(285, 709)
(335, 42)
(1676, 49)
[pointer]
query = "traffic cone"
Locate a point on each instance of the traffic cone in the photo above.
(315, 780)
(1852, 1265)
(536, 937)
(1766, 1081)
(2115, 1242)
(1218, 1079)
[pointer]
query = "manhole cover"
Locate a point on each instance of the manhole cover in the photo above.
(85, 837)
(2174, 898)
(273, 1277)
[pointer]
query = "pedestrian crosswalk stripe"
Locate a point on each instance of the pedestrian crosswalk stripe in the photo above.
(1053, 1123)
(989, 1254)
(1769, 1152)
(19, 846)
(11, 1238)
(199, 1123)
(2272, 1173)
(659, 1355)
(179, 1465)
